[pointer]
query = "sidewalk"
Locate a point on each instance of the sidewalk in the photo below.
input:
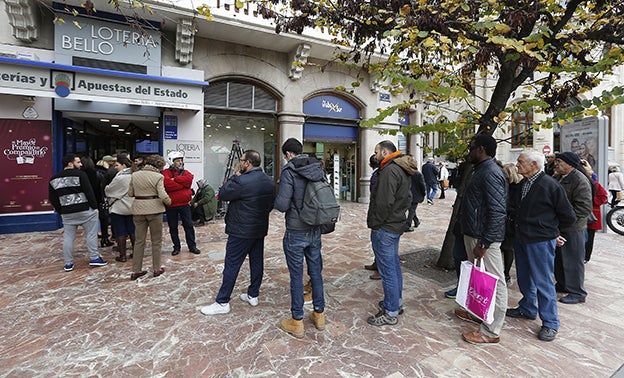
(96, 322)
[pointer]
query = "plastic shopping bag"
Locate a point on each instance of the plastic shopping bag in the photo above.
(476, 291)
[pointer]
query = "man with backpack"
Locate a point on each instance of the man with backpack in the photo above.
(301, 240)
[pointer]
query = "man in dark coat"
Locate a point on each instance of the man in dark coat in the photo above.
(541, 209)
(418, 191)
(430, 173)
(251, 194)
(483, 215)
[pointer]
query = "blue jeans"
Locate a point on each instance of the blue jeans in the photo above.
(386, 249)
(535, 264)
(297, 245)
(432, 189)
(184, 212)
(236, 250)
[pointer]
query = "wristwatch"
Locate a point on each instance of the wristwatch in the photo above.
(484, 245)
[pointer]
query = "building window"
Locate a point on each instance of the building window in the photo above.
(522, 129)
(240, 96)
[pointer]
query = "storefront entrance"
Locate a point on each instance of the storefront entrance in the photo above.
(340, 164)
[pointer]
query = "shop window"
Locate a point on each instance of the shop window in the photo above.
(522, 129)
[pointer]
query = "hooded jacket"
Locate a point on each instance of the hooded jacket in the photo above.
(390, 198)
(117, 192)
(293, 180)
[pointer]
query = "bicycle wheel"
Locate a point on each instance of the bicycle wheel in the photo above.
(615, 219)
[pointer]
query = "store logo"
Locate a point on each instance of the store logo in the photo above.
(63, 83)
(333, 107)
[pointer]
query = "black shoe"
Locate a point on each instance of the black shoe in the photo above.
(569, 299)
(416, 224)
(516, 313)
(175, 251)
(409, 229)
(194, 251)
(547, 334)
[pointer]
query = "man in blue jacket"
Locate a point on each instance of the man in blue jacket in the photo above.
(251, 194)
(300, 240)
(541, 209)
(483, 214)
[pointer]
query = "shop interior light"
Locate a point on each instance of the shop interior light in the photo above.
(156, 122)
(121, 129)
(114, 125)
(104, 120)
(127, 133)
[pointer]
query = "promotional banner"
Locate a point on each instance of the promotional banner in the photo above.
(26, 147)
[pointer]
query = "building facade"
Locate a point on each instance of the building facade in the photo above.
(100, 83)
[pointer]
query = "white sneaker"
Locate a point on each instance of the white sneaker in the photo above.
(216, 308)
(251, 300)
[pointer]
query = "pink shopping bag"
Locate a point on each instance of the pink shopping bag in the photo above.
(476, 291)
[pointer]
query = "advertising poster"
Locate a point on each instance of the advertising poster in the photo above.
(26, 147)
(582, 138)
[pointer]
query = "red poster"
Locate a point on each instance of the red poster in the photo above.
(26, 147)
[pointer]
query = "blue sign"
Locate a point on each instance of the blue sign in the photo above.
(171, 127)
(384, 97)
(403, 119)
(331, 106)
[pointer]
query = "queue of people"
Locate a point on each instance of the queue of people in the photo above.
(539, 219)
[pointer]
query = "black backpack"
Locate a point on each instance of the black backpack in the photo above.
(319, 205)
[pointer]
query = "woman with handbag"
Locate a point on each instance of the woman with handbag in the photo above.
(594, 221)
(443, 179)
(121, 206)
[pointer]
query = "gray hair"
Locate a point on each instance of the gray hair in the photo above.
(536, 156)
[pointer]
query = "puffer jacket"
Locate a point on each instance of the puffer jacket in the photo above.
(178, 186)
(251, 198)
(293, 180)
(117, 193)
(484, 204)
(390, 198)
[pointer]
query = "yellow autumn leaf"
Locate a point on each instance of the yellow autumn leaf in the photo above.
(561, 122)
(76, 24)
(405, 10)
(239, 4)
(428, 42)
(502, 28)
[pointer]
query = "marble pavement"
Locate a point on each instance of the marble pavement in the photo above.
(96, 322)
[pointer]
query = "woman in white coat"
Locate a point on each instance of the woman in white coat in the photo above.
(616, 184)
(121, 208)
(443, 178)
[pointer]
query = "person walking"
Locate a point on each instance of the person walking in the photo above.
(300, 240)
(430, 173)
(150, 198)
(386, 218)
(443, 179)
(250, 193)
(569, 258)
(615, 185)
(483, 214)
(121, 206)
(178, 182)
(72, 196)
(541, 210)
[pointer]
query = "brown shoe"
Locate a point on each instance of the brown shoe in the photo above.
(318, 318)
(465, 315)
(372, 266)
(477, 337)
(293, 326)
(375, 276)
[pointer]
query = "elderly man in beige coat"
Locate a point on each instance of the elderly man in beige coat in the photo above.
(150, 198)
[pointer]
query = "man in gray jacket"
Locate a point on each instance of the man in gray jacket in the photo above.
(569, 266)
(483, 214)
